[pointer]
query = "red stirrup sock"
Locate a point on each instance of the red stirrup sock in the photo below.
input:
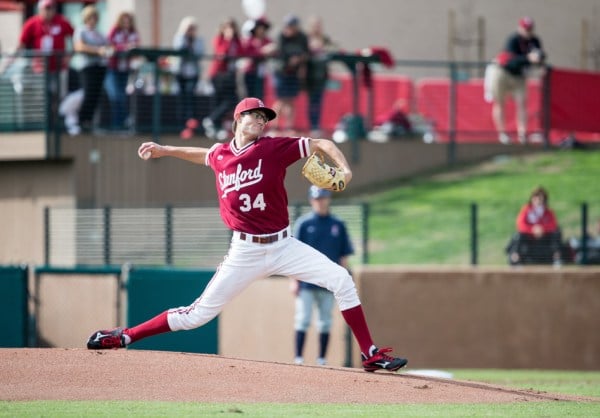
(154, 326)
(355, 318)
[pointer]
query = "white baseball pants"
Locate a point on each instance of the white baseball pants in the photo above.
(247, 262)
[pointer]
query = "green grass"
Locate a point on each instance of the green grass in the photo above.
(565, 382)
(168, 409)
(427, 220)
(580, 383)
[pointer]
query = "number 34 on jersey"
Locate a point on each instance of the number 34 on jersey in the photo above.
(248, 203)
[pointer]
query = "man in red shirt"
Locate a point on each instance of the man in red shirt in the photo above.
(46, 33)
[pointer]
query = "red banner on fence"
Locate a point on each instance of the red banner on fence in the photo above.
(574, 100)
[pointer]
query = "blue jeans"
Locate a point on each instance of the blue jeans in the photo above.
(315, 103)
(115, 85)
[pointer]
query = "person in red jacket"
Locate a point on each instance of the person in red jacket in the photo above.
(227, 48)
(257, 47)
(538, 237)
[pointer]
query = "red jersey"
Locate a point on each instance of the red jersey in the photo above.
(47, 37)
(226, 51)
(252, 48)
(121, 40)
(250, 182)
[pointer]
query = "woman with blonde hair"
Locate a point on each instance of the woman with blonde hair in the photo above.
(94, 50)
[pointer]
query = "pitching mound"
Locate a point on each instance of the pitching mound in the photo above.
(80, 374)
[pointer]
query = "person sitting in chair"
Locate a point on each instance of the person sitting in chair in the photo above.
(538, 237)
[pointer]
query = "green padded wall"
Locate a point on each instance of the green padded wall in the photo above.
(13, 306)
(151, 291)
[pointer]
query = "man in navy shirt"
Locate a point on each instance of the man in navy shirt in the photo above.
(328, 234)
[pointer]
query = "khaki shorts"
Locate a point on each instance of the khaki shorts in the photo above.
(500, 83)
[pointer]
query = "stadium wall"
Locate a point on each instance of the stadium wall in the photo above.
(533, 318)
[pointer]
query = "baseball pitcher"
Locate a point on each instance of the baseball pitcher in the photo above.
(250, 171)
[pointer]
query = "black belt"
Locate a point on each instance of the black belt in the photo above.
(264, 239)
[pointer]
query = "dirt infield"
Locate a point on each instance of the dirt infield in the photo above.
(79, 374)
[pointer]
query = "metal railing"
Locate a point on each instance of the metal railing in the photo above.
(196, 236)
(357, 87)
(175, 236)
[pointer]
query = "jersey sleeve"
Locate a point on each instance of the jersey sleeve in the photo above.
(209, 159)
(292, 149)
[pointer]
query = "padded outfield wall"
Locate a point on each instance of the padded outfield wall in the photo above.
(534, 318)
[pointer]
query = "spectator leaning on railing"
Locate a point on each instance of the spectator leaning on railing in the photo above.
(188, 68)
(94, 48)
(317, 72)
(122, 37)
(257, 47)
(47, 33)
(227, 48)
(508, 74)
(290, 73)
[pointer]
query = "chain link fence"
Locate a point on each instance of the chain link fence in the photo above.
(476, 234)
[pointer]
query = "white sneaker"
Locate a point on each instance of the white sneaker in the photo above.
(321, 361)
(503, 138)
(299, 360)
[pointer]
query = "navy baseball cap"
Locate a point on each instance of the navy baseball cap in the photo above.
(315, 192)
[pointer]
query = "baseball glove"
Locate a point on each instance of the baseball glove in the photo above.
(324, 175)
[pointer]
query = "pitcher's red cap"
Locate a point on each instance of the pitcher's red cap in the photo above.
(252, 103)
